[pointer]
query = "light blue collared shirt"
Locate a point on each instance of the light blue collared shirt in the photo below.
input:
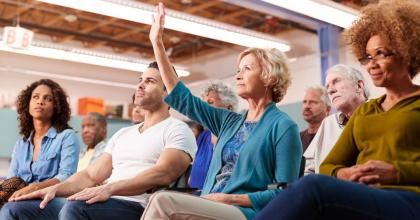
(58, 157)
(99, 149)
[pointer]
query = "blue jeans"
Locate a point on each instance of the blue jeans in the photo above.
(325, 197)
(111, 209)
(29, 210)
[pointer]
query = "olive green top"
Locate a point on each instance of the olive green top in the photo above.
(373, 134)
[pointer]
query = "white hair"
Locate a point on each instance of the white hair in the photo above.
(352, 74)
(226, 94)
(323, 91)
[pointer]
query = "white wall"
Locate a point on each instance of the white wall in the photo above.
(16, 73)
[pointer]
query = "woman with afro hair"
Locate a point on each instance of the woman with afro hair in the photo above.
(47, 152)
(373, 171)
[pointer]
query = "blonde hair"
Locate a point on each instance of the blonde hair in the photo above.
(275, 70)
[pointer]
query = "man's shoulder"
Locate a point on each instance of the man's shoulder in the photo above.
(128, 128)
(174, 122)
(329, 122)
(101, 144)
(331, 118)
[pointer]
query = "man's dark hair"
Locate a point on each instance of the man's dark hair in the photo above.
(155, 66)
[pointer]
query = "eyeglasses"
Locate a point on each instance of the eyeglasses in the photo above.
(380, 55)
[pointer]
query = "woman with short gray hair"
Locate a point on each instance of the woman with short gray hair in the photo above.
(224, 92)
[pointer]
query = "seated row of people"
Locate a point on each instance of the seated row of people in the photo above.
(376, 163)
(253, 149)
(346, 89)
(372, 171)
(136, 159)
(372, 164)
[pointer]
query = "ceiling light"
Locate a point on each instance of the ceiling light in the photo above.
(326, 11)
(67, 77)
(175, 20)
(53, 51)
(70, 18)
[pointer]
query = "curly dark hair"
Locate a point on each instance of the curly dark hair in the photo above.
(61, 114)
(397, 21)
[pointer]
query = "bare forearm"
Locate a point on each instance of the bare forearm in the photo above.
(141, 183)
(45, 184)
(230, 199)
(75, 183)
(165, 68)
(241, 200)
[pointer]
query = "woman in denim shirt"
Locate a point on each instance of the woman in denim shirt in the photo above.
(48, 151)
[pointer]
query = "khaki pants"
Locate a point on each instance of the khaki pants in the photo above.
(174, 205)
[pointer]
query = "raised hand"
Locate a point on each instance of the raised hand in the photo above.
(158, 21)
(46, 194)
(92, 194)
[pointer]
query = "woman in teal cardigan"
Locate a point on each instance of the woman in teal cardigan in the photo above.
(254, 149)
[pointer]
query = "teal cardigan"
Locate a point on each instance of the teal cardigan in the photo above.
(271, 154)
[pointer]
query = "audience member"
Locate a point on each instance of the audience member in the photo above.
(346, 89)
(94, 137)
(253, 150)
(219, 95)
(316, 107)
(136, 159)
(47, 151)
(374, 166)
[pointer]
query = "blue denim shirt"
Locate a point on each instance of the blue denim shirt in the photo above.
(58, 157)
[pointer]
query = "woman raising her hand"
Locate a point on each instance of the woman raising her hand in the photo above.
(254, 149)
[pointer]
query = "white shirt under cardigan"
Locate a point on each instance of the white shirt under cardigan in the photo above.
(324, 140)
(133, 152)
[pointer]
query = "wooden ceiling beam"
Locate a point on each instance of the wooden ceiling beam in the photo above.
(200, 7)
(232, 15)
(22, 9)
(118, 36)
(89, 29)
(98, 25)
(53, 21)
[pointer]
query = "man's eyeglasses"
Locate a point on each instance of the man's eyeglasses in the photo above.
(380, 55)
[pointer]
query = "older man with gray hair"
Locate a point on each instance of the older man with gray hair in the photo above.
(346, 90)
(94, 131)
(218, 95)
(316, 107)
